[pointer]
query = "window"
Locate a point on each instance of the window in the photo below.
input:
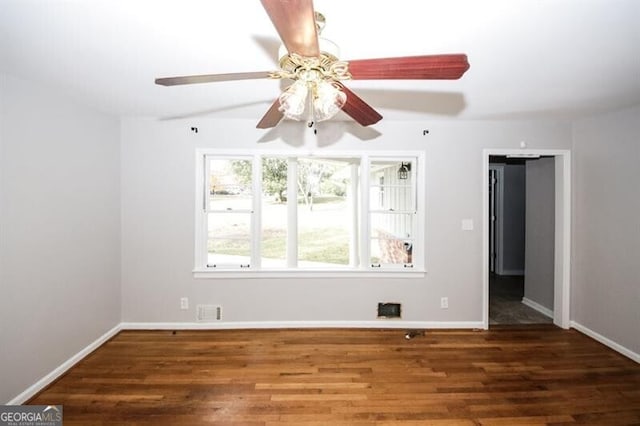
(344, 213)
(229, 211)
(392, 212)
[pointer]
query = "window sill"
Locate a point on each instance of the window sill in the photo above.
(308, 273)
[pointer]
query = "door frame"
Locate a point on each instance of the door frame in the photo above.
(562, 234)
(498, 222)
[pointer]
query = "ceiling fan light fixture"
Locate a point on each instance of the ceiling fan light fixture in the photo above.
(293, 101)
(328, 100)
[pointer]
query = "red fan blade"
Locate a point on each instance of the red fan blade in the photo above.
(432, 67)
(209, 78)
(295, 22)
(272, 117)
(358, 109)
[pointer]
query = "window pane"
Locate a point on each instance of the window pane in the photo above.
(324, 212)
(391, 186)
(391, 238)
(228, 252)
(229, 239)
(230, 184)
(391, 198)
(229, 225)
(274, 213)
(391, 251)
(391, 225)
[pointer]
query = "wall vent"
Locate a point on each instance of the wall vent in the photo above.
(206, 313)
(389, 310)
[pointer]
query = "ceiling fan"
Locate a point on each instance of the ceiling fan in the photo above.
(318, 91)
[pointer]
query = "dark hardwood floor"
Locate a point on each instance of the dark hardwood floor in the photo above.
(509, 375)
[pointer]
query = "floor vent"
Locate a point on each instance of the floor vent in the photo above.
(389, 310)
(207, 313)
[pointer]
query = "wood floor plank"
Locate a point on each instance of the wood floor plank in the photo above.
(532, 375)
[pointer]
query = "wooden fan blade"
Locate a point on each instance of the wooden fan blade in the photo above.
(210, 78)
(431, 67)
(272, 117)
(295, 22)
(358, 109)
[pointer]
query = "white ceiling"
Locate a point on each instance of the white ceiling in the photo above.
(529, 58)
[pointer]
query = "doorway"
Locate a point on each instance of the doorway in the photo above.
(521, 240)
(494, 233)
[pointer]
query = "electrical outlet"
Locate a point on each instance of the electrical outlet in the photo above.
(444, 302)
(184, 303)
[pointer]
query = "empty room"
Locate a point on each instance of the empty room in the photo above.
(314, 212)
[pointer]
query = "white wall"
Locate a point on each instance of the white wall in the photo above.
(59, 229)
(158, 229)
(606, 226)
(540, 231)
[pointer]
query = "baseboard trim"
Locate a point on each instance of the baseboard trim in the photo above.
(538, 307)
(606, 341)
(228, 325)
(49, 378)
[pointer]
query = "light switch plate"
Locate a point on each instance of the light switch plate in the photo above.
(467, 224)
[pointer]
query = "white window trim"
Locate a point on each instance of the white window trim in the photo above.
(418, 269)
